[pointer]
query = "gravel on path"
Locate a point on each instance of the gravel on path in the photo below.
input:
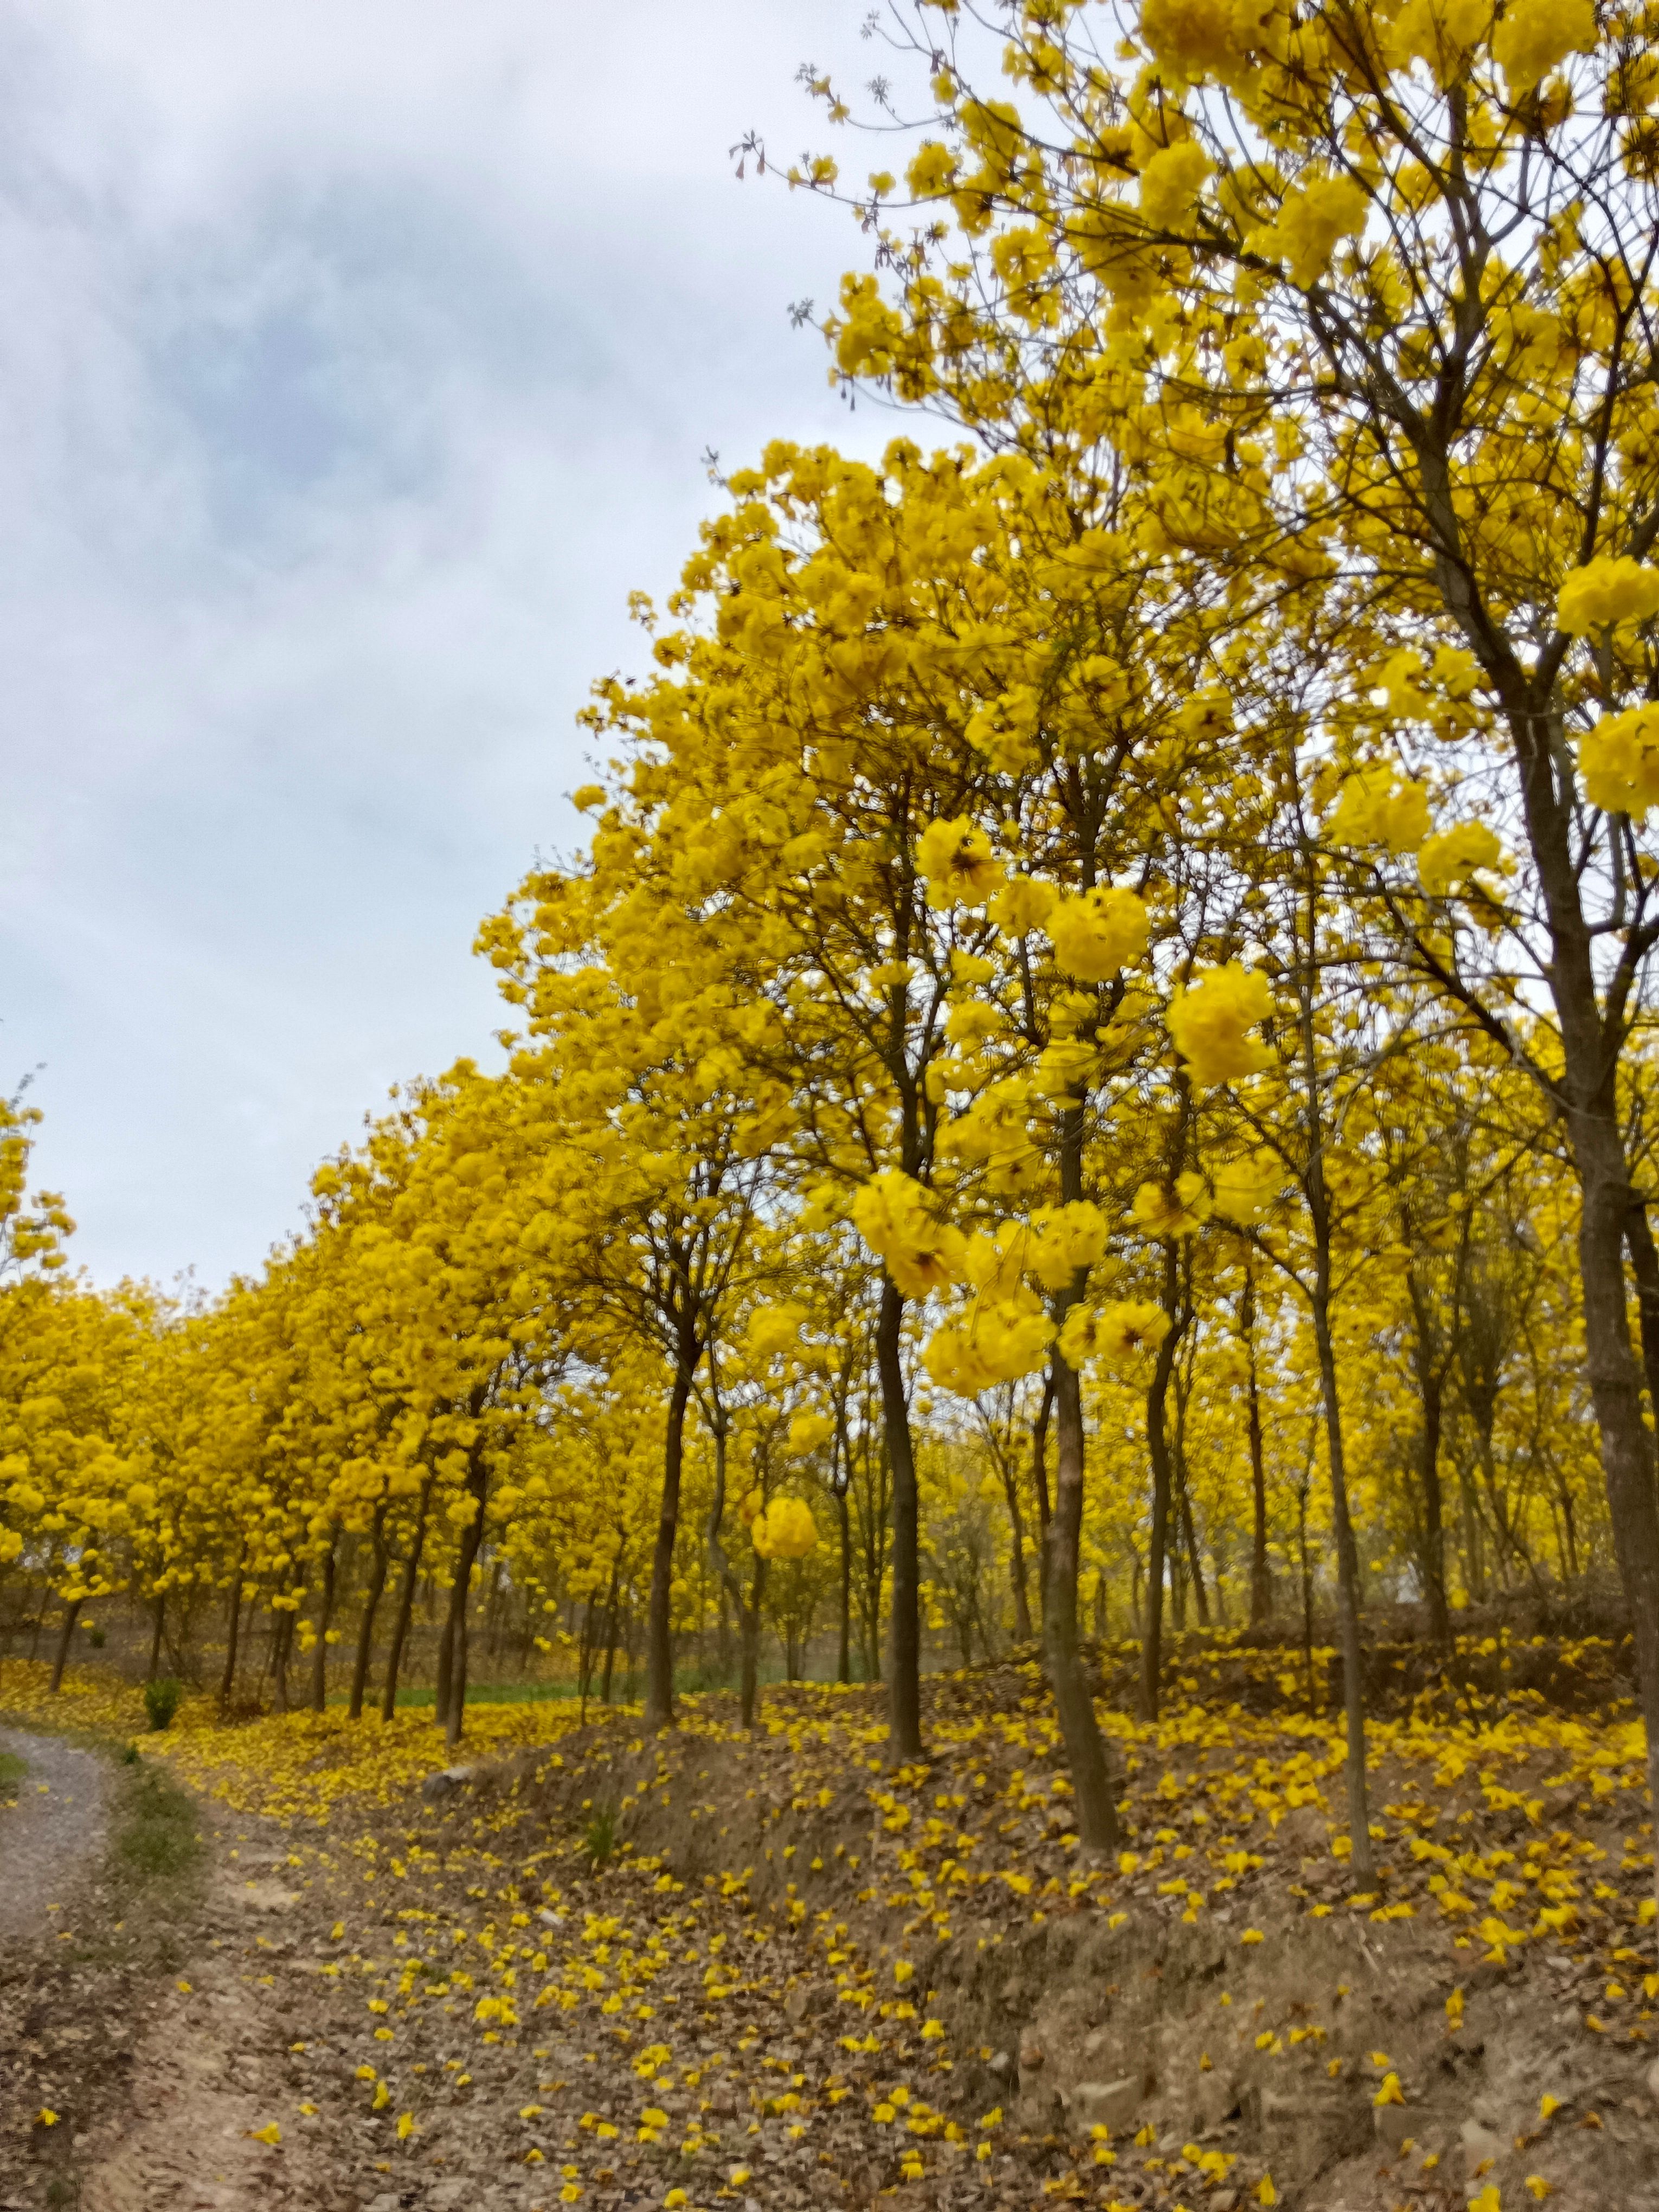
(53, 1833)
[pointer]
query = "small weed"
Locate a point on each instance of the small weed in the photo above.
(12, 1771)
(599, 1838)
(161, 1701)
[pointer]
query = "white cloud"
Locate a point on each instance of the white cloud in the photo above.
(357, 362)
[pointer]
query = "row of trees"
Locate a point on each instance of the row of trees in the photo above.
(292, 1475)
(1114, 953)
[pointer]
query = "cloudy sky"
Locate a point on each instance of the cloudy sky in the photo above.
(356, 360)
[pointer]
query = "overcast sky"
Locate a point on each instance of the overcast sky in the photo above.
(356, 360)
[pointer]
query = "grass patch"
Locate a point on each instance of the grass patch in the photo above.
(156, 1836)
(599, 1838)
(624, 1690)
(421, 1697)
(12, 1771)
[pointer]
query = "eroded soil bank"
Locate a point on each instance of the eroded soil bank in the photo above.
(707, 1970)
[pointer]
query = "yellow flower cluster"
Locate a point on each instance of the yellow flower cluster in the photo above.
(893, 1215)
(1378, 808)
(1619, 759)
(1211, 1023)
(1606, 593)
(784, 1530)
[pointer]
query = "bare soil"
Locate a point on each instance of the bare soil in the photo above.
(305, 1981)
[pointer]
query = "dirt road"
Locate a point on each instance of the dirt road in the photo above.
(54, 1834)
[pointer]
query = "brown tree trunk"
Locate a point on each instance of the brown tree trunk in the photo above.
(1189, 1541)
(1017, 1576)
(1307, 1589)
(659, 1640)
(460, 1593)
(281, 1638)
(905, 1651)
(400, 1626)
(1430, 1390)
(844, 1651)
(612, 1623)
(1644, 1265)
(1261, 1587)
(324, 1615)
(1628, 1460)
(747, 1604)
(371, 1595)
(155, 1666)
(445, 1667)
(1592, 1043)
(71, 1614)
(1086, 1750)
(455, 1714)
(1434, 1525)
(228, 1682)
(1348, 1598)
(749, 1627)
(1040, 1480)
(1158, 1446)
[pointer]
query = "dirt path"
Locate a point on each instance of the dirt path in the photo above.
(140, 2056)
(53, 1836)
(208, 2075)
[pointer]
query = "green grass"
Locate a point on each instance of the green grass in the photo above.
(599, 1838)
(156, 1837)
(421, 1697)
(12, 1771)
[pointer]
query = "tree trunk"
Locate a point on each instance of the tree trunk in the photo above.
(611, 1624)
(1628, 1461)
(585, 1651)
(325, 1614)
(749, 1627)
(445, 1668)
(281, 1638)
(400, 1625)
(904, 1653)
(155, 1666)
(371, 1605)
(1430, 1389)
(659, 1642)
(1016, 1575)
(451, 1708)
(455, 1717)
(227, 1683)
(1591, 1053)
(1040, 1482)
(493, 1610)
(1261, 1587)
(1189, 1539)
(844, 1651)
(71, 1614)
(745, 1604)
(1307, 1591)
(1434, 1526)
(1347, 1583)
(1085, 1751)
(1645, 1263)
(1158, 1446)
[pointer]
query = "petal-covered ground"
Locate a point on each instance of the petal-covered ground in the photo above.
(592, 1968)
